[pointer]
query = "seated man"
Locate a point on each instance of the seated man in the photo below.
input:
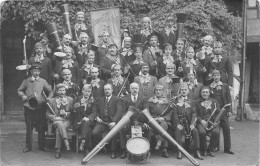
(85, 114)
(184, 119)
(156, 105)
(109, 112)
(62, 106)
(139, 102)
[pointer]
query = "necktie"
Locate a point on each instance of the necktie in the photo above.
(134, 99)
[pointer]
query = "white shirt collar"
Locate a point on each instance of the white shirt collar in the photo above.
(132, 97)
(109, 97)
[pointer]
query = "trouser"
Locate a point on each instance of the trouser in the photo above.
(35, 118)
(61, 132)
(85, 130)
(224, 123)
(127, 131)
(214, 138)
(195, 142)
(101, 130)
(158, 136)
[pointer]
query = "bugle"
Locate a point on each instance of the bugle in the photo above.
(66, 17)
(222, 111)
(209, 124)
(124, 121)
(167, 136)
(48, 104)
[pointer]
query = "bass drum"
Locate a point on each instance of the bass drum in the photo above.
(138, 149)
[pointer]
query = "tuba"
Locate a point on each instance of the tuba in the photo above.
(53, 32)
(167, 136)
(124, 121)
(181, 19)
(66, 17)
(221, 113)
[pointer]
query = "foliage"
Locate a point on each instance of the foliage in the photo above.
(204, 16)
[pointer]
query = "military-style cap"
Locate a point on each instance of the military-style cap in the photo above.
(216, 71)
(36, 65)
(144, 64)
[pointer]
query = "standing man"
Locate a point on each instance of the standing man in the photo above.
(169, 33)
(109, 112)
(145, 81)
(220, 92)
(31, 90)
(80, 26)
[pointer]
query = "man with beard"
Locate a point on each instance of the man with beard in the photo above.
(221, 93)
(138, 101)
(32, 88)
(103, 46)
(184, 116)
(126, 50)
(170, 82)
(39, 56)
(80, 27)
(145, 81)
(117, 82)
(110, 59)
(82, 48)
(109, 112)
(62, 105)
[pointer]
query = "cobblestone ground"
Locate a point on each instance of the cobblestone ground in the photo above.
(244, 135)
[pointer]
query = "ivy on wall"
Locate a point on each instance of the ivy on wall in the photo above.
(204, 17)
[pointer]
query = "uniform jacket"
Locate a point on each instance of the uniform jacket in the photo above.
(169, 87)
(171, 38)
(194, 90)
(225, 93)
(153, 81)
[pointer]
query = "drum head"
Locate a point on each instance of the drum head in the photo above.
(60, 54)
(138, 145)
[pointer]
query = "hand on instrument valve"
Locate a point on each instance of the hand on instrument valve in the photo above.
(111, 125)
(99, 120)
(180, 127)
(192, 127)
(85, 119)
(204, 123)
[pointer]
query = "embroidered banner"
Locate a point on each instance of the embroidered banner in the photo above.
(106, 20)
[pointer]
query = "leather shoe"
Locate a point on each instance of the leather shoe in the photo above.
(228, 152)
(57, 155)
(68, 148)
(165, 153)
(123, 155)
(216, 149)
(210, 153)
(25, 150)
(197, 155)
(179, 156)
(113, 155)
(45, 149)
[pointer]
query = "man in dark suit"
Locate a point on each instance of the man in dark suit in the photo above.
(223, 63)
(109, 112)
(139, 102)
(220, 92)
(169, 33)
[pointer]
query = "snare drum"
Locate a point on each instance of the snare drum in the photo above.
(138, 149)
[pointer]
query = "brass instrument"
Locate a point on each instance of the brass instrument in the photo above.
(209, 125)
(53, 32)
(31, 101)
(66, 17)
(223, 110)
(25, 65)
(48, 104)
(181, 19)
(124, 121)
(167, 136)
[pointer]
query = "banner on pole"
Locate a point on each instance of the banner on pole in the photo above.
(106, 21)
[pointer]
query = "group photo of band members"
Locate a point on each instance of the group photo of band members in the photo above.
(154, 90)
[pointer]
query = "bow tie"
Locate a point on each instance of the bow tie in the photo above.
(216, 85)
(138, 61)
(168, 60)
(61, 101)
(217, 58)
(81, 26)
(169, 30)
(95, 83)
(67, 63)
(168, 80)
(183, 101)
(38, 58)
(146, 32)
(35, 78)
(83, 50)
(88, 67)
(145, 79)
(206, 104)
(67, 84)
(127, 52)
(117, 80)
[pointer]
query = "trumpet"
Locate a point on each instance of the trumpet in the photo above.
(209, 125)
